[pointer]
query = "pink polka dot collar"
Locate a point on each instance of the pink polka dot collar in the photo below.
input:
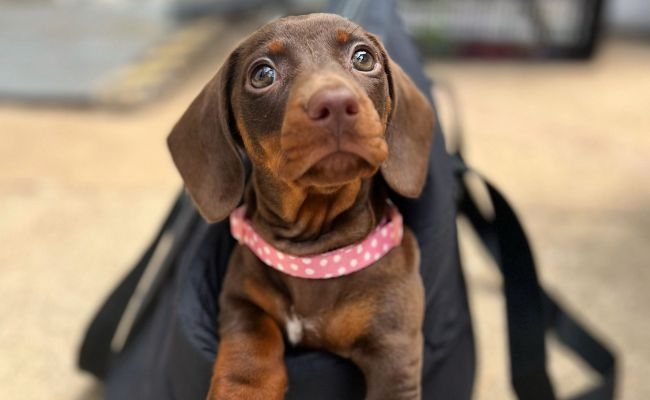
(344, 261)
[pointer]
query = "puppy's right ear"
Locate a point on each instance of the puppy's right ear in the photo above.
(203, 149)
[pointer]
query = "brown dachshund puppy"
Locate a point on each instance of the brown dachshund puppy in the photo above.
(327, 121)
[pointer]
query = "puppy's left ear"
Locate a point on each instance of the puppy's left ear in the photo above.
(409, 134)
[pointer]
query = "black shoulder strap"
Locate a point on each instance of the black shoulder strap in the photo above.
(531, 312)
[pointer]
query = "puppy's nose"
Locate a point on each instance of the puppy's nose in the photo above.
(335, 109)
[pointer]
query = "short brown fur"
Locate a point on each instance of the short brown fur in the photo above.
(302, 204)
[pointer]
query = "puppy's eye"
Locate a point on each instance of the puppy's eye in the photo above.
(362, 60)
(262, 76)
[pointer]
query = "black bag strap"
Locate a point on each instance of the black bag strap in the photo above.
(112, 324)
(531, 312)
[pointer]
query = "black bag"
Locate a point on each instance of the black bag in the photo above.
(155, 336)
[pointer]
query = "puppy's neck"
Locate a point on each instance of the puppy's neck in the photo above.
(306, 221)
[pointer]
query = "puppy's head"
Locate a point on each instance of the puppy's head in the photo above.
(314, 101)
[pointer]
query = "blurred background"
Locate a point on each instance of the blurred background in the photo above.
(552, 98)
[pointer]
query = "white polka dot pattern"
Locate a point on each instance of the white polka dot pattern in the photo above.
(346, 260)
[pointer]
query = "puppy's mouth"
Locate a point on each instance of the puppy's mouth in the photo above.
(333, 161)
(336, 169)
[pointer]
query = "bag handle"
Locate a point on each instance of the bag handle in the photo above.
(531, 311)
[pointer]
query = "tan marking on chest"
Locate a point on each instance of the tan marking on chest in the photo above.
(348, 323)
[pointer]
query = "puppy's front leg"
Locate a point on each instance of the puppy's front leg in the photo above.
(250, 359)
(393, 367)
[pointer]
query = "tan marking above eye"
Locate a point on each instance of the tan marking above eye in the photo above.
(276, 47)
(342, 36)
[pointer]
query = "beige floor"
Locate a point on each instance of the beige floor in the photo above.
(570, 145)
(82, 191)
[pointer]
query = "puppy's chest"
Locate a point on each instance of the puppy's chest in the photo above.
(332, 321)
(334, 313)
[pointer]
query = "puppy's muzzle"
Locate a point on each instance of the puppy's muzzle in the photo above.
(331, 132)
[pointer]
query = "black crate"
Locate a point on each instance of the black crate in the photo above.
(541, 29)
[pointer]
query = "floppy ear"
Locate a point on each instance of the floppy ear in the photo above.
(203, 149)
(409, 134)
